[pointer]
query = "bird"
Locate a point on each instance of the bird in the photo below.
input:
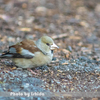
(30, 53)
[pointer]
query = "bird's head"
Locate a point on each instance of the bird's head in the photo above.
(45, 43)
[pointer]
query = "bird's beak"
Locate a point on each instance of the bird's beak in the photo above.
(53, 46)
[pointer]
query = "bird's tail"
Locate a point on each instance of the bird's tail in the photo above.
(5, 55)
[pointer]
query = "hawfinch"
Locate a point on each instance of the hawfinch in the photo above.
(30, 54)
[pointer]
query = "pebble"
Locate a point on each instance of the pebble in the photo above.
(30, 20)
(40, 10)
(97, 8)
(83, 58)
(20, 69)
(70, 48)
(55, 16)
(69, 77)
(52, 27)
(73, 21)
(26, 85)
(29, 37)
(50, 6)
(25, 75)
(82, 10)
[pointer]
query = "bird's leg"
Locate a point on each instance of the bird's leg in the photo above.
(31, 71)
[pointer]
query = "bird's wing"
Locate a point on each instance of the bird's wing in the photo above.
(24, 49)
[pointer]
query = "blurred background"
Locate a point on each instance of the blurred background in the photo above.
(75, 27)
(72, 23)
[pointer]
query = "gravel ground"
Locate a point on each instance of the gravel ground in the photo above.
(75, 27)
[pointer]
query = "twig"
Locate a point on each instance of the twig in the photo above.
(59, 36)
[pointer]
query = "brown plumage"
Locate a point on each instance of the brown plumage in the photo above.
(26, 44)
(30, 54)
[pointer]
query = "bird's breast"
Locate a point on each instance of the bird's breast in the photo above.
(38, 60)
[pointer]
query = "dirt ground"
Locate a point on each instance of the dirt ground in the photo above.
(74, 25)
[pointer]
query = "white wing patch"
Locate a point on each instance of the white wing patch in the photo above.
(26, 52)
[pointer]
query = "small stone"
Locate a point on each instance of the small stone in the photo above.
(69, 77)
(84, 24)
(82, 10)
(20, 69)
(26, 85)
(83, 58)
(50, 5)
(30, 19)
(70, 48)
(25, 75)
(52, 27)
(11, 39)
(97, 8)
(42, 11)
(73, 21)
(29, 37)
(54, 58)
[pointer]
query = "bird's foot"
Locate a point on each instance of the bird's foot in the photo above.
(32, 71)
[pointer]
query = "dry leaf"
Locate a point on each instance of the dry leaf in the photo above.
(64, 63)
(25, 29)
(75, 38)
(94, 98)
(13, 68)
(59, 36)
(43, 30)
(65, 51)
(59, 71)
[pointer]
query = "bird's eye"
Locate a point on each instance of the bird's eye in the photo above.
(47, 44)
